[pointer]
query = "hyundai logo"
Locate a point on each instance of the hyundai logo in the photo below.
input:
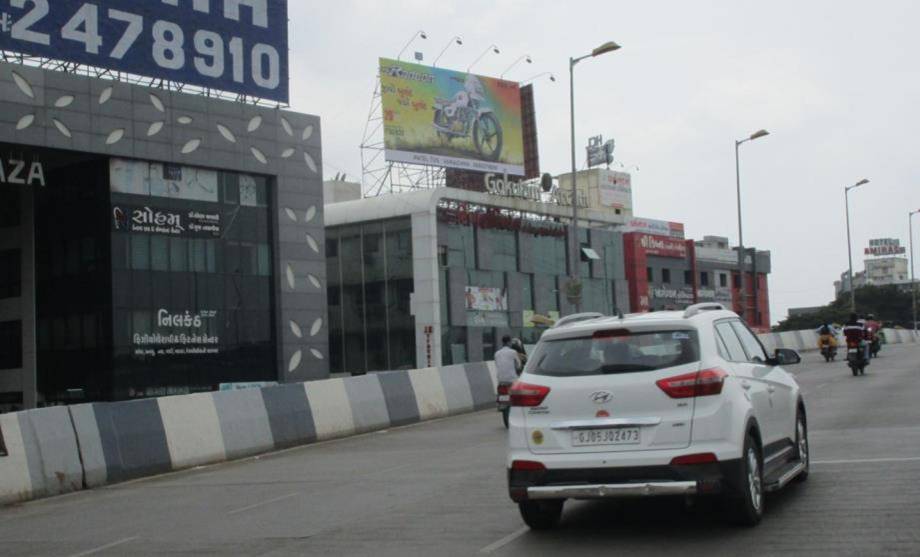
(601, 397)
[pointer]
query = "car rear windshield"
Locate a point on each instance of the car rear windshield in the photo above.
(619, 352)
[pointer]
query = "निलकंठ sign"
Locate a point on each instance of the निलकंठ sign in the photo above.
(238, 46)
(439, 117)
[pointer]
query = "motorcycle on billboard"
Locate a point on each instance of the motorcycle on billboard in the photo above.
(466, 116)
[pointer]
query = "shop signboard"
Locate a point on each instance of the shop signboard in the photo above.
(188, 223)
(238, 46)
(179, 334)
(663, 246)
(653, 226)
(440, 117)
(486, 299)
(614, 189)
(17, 171)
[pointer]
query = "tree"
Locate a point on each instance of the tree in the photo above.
(890, 304)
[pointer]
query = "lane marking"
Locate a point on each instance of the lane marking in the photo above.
(263, 503)
(104, 547)
(504, 541)
(868, 460)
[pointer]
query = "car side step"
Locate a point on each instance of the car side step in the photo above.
(784, 475)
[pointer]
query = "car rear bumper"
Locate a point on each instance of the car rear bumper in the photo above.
(625, 482)
(604, 491)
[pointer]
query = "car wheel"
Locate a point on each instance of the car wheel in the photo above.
(541, 515)
(801, 445)
(746, 506)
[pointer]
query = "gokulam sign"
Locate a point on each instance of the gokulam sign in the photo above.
(19, 172)
(885, 246)
(520, 189)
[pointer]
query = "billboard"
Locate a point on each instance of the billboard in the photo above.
(486, 299)
(439, 117)
(653, 226)
(239, 46)
(881, 247)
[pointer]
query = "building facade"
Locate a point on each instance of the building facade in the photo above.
(154, 242)
(439, 276)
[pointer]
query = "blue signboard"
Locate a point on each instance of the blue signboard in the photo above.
(238, 46)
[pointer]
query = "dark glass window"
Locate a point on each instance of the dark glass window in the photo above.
(10, 344)
(688, 277)
(723, 280)
(159, 253)
(10, 273)
(650, 274)
(140, 252)
(666, 276)
(10, 206)
(704, 279)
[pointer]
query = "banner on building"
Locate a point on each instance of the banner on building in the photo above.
(486, 299)
(653, 226)
(439, 117)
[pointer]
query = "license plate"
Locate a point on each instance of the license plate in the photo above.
(609, 436)
(504, 398)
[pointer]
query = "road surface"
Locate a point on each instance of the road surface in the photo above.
(438, 488)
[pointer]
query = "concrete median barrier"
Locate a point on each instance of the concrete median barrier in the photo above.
(55, 450)
(332, 413)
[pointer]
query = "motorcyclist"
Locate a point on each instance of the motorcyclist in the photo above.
(518, 347)
(874, 328)
(827, 335)
(857, 334)
(508, 367)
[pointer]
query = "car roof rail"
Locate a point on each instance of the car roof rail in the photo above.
(577, 318)
(697, 309)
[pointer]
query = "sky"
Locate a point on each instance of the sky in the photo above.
(836, 83)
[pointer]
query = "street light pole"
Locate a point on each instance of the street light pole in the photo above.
(846, 196)
(913, 281)
(575, 254)
(742, 294)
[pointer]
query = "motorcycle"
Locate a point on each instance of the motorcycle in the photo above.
(464, 116)
(503, 401)
(828, 346)
(856, 357)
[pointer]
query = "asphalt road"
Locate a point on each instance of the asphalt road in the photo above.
(438, 488)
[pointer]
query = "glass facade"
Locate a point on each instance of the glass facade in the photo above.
(369, 269)
(502, 268)
(151, 279)
(192, 279)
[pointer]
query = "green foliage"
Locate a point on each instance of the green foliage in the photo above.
(890, 305)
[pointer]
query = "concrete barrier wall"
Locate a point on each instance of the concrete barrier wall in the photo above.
(56, 450)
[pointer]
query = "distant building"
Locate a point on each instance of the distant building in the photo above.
(717, 261)
(885, 265)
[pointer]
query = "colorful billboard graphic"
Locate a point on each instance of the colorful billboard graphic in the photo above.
(231, 45)
(439, 117)
(486, 299)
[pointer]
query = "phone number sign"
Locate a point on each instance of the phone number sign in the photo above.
(238, 46)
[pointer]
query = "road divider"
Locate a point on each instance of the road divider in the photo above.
(56, 450)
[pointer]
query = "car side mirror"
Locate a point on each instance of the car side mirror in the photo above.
(785, 357)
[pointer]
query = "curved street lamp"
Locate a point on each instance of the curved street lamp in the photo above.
(491, 48)
(418, 34)
(742, 293)
(552, 78)
(454, 41)
(846, 195)
(609, 46)
(913, 281)
(515, 63)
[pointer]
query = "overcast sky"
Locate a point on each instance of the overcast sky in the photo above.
(837, 84)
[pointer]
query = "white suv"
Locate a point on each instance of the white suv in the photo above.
(668, 403)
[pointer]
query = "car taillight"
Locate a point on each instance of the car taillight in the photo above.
(527, 466)
(503, 388)
(525, 394)
(700, 458)
(701, 383)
